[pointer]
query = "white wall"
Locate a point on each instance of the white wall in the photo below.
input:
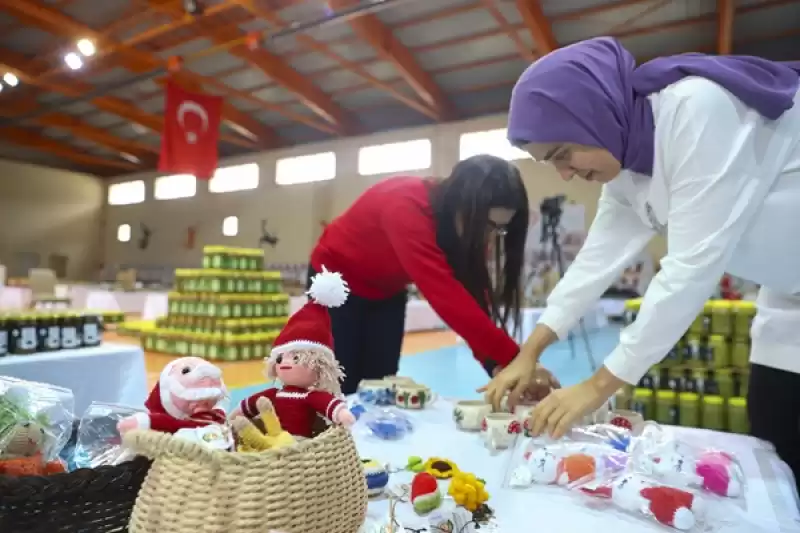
(47, 211)
(295, 211)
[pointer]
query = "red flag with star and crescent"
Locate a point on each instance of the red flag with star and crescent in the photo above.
(191, 133)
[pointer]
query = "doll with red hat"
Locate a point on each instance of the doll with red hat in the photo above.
(303, 360)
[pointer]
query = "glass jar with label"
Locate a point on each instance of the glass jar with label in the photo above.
(743, 312)
(631, 310)
(70, 331)
(718, 351)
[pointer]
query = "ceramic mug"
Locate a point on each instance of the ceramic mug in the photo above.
(523, 414)
(500, 429)
(469, 414)
(375, 392)
(412, 396)
(395, 381)
(630, 420)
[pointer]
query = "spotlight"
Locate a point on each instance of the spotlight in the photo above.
(193, 7)
(86, 47)
(73, 61)
(10, 79)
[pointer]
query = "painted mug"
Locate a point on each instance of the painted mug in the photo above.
(523, 414)
(630, 420)
(396, 381)
(375, 392)
(469, 414)
(500, 429)
(412, 396)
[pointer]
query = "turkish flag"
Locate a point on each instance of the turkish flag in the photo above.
(191, 132)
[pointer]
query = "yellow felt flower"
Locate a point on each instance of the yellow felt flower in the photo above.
(440, 468)
(468, 491)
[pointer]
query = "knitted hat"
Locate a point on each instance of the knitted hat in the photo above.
(425, 495)
(310, 327)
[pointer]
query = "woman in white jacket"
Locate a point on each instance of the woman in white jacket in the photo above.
(705, 150)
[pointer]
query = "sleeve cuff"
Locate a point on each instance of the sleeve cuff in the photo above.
(626, 366)
(558, 321)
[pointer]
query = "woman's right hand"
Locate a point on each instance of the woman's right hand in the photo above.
(515, 379)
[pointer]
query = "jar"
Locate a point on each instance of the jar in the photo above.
(245, 347)
(228, 281)
(689, 409)
(713, 412)
(701, 324)
(631, 310)
(740, 353)
(721, 318)
(247, 305)
(695, 351)
(149, 341)
(214, 346)
(91, 332)
(217, 257)
(181, 345)
(70, 331)
(180, 280)
(666, 407)
(44, 323)
(241, 283)
(254, 282)
(259, 342)
(224, 306)
(231, 352)
(718, 351)
(743, 313)
(738, 421)
(162, 342)
(174, 303)
(642, 402)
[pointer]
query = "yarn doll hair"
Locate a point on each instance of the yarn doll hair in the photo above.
(329, 372)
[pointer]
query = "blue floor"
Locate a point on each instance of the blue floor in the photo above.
(453, 372)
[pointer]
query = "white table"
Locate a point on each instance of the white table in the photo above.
(772, 505)
(111, 373)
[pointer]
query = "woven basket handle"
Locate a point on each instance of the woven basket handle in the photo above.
(154, 444)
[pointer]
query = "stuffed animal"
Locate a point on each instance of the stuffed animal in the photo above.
(721, 474)
(250, 437)
(669, 506)
(425, 494)
(302, 358)
(22, 454)
(186, 396)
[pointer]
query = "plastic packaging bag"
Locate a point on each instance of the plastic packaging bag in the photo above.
(674, 508)
(385, 423)
(659, 455)
(563, 462)
(36, 421)
(99, 442)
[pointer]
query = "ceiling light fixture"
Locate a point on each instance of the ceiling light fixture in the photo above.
(86, 47)
(10, 79)
(73, 61)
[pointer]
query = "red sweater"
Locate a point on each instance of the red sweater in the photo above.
(296, 408)
(387, 240)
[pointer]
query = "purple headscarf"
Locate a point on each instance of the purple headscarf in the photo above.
(592, 93)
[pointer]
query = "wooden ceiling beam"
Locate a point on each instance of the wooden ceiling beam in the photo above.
(38, 14)
(312, 44)
(370, 29)
(30, 139)
(726, 11)
(270, 64)
(539, 27)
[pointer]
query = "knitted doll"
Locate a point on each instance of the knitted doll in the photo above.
(302, 358)
(250, 437)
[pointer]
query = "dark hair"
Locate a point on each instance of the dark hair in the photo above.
(475, 186)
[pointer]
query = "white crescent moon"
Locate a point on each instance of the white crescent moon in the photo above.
(187, 107)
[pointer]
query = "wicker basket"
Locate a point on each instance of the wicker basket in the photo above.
(315, 486)
(96, 500)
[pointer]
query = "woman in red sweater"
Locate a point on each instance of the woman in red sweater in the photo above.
(434, 234)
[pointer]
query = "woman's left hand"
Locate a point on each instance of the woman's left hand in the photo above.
(564, 408)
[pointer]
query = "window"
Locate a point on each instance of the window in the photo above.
(124, 232)
(492, 142)
(394, 157)
(126, 193)
(305, 168)
(174, 187)
(235, 178)
(230, 226)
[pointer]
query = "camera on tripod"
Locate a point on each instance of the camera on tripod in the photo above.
(551, 206)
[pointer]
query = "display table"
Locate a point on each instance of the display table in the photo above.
(111, 373)
(771, 500)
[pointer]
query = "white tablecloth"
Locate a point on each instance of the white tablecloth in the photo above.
(112, 373)
(772, 505)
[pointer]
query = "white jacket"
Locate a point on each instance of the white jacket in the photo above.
(725, 191)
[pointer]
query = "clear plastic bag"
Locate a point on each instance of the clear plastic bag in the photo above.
(99, 442)
(36, 422)
(672, 507)
(660, 455)
(565, 462)
(385, 423)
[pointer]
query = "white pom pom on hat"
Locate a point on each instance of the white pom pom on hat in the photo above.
(310, 327)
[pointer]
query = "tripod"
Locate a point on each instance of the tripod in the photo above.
(551, 211)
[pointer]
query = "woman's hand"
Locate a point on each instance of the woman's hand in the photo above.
(564, 408)
(523, 380)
